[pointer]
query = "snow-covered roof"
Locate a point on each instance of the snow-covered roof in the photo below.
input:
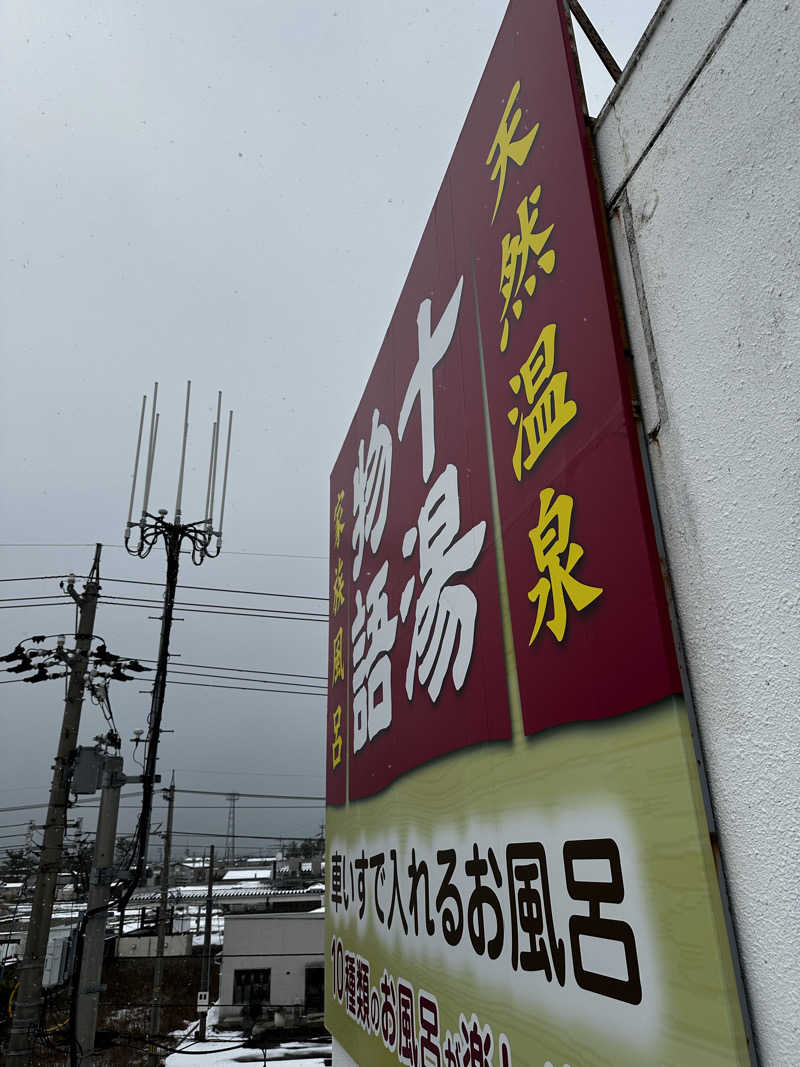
(220, 891)
(238, 875)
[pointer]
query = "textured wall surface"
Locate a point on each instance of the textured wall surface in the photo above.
(703, 139)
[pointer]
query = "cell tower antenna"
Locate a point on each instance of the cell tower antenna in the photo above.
(199, 539)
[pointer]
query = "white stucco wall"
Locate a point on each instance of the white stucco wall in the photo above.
(286, 944)
(715, 217)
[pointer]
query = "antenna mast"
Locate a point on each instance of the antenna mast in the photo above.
(202, 541)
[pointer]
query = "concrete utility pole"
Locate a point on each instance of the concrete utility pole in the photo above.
(158, 970)
(205, 974)
(229, 855)
(29, 997)
(89, 987)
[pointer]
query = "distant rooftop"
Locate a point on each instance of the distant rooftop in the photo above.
(221, 891)
(239, 875)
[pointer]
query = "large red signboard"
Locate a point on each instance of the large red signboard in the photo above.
(490, 524)
(502, 889)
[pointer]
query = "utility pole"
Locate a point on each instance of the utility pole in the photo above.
(26, 1015)
(229, 855)
(205, 974)
(158, 970)
(91, 970)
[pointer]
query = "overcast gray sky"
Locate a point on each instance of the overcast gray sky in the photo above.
(231, 192)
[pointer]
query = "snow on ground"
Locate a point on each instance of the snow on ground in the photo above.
(223, 1055)
(225, 1049)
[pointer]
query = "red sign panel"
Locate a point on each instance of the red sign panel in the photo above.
(489, 519)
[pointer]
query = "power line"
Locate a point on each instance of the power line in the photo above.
(227, 678)
(33, 807)
(230, 771)
(196, 792)
(216, 589)
(239, 807)
(160, 585)
(34, 578)
(243, 613)
(247, 774)
(252, 689)
(153, 602)
(250, 796)
(248, 837)
(240, 613)
(262, 688)
(242, 670)
(9, 599)
(80, 544)
(236, 670)
(9, 607)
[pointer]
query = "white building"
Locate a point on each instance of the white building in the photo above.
(276, 961)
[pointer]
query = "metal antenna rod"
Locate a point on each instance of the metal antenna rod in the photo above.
(218, 424)
(183, 454)
(225, 476)
(136, 463)
(151, 451)
(206, 514)
(152, 457)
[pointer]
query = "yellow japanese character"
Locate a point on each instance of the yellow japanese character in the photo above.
(338, 513)
(550, 540)
(506, 147)
(336, 747)
(550, 410)
(338, 662)
(515, 253)
(338, 588)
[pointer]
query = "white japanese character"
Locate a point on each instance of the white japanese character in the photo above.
(371, 491)
(372, 668)
(443, 612)
(432, 348)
